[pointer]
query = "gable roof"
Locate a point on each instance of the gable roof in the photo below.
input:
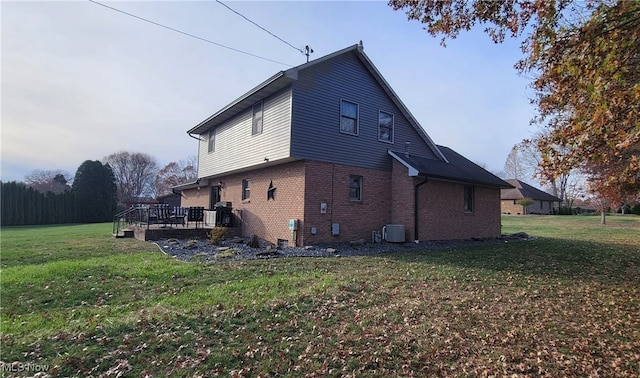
(265, 89)
(522, 190)
(455, 168)
(283, 79)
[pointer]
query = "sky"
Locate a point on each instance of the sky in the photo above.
(81, 81)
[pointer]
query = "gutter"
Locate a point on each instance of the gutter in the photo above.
(194, 137)
(255, 90)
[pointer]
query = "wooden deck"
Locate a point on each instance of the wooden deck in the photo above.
(155, 222)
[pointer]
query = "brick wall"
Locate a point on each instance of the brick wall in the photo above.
(537, 207)
(268, 218)
(402, 198)
(329, 183)
(508, 207)
(442, 215)
(319, 189)
(196, 197)
(265, 218)
(387, 198)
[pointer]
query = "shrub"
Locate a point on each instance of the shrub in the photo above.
(254, 241)
(525, 202)
(226, 254)
(565, 210)
(217, 235)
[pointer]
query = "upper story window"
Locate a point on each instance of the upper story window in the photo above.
(246, 189)
(468, 199)
(256, 120)
(212, 140)
(355, 188)
(385, 127)
(348, 117)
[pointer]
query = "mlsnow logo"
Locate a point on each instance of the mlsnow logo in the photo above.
(20, 367)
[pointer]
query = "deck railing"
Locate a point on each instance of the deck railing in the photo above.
(141, 215)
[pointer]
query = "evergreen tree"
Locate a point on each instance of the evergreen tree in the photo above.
(96, 191)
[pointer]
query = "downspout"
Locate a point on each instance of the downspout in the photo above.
(199, 140)
(416, 213)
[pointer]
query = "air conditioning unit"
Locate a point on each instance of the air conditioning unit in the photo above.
(393, 233)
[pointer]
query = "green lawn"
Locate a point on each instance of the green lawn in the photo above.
(78, 302)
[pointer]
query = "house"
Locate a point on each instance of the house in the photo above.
(326, 151)
(581, 206)
(510, 198)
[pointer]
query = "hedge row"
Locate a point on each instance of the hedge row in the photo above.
(22, 205)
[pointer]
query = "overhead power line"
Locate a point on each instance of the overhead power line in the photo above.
(188, 34)
(270, 33)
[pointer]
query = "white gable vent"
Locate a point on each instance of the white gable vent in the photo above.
(393, 233)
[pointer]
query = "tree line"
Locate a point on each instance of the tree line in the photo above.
(23, 205)
(91, 199)
(98, 190)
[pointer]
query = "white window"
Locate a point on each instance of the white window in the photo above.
(212, 140)
(348, 117)
(246, 189)
(257, 119)
(385, 127)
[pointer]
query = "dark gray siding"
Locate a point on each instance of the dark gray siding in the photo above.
(316, 116)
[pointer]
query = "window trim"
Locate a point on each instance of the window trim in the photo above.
(356, 119)
(469, 199)
(255, 130)
(246, 190)
(211, 140)
(391, 128)
(360, 181)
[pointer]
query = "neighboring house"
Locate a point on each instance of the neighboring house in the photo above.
(583, 207)
(329, 145)
(543, 203)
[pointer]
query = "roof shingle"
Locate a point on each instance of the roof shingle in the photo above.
(458, 168)
(523, 190)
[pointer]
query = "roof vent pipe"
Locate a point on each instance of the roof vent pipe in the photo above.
(406, 148)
